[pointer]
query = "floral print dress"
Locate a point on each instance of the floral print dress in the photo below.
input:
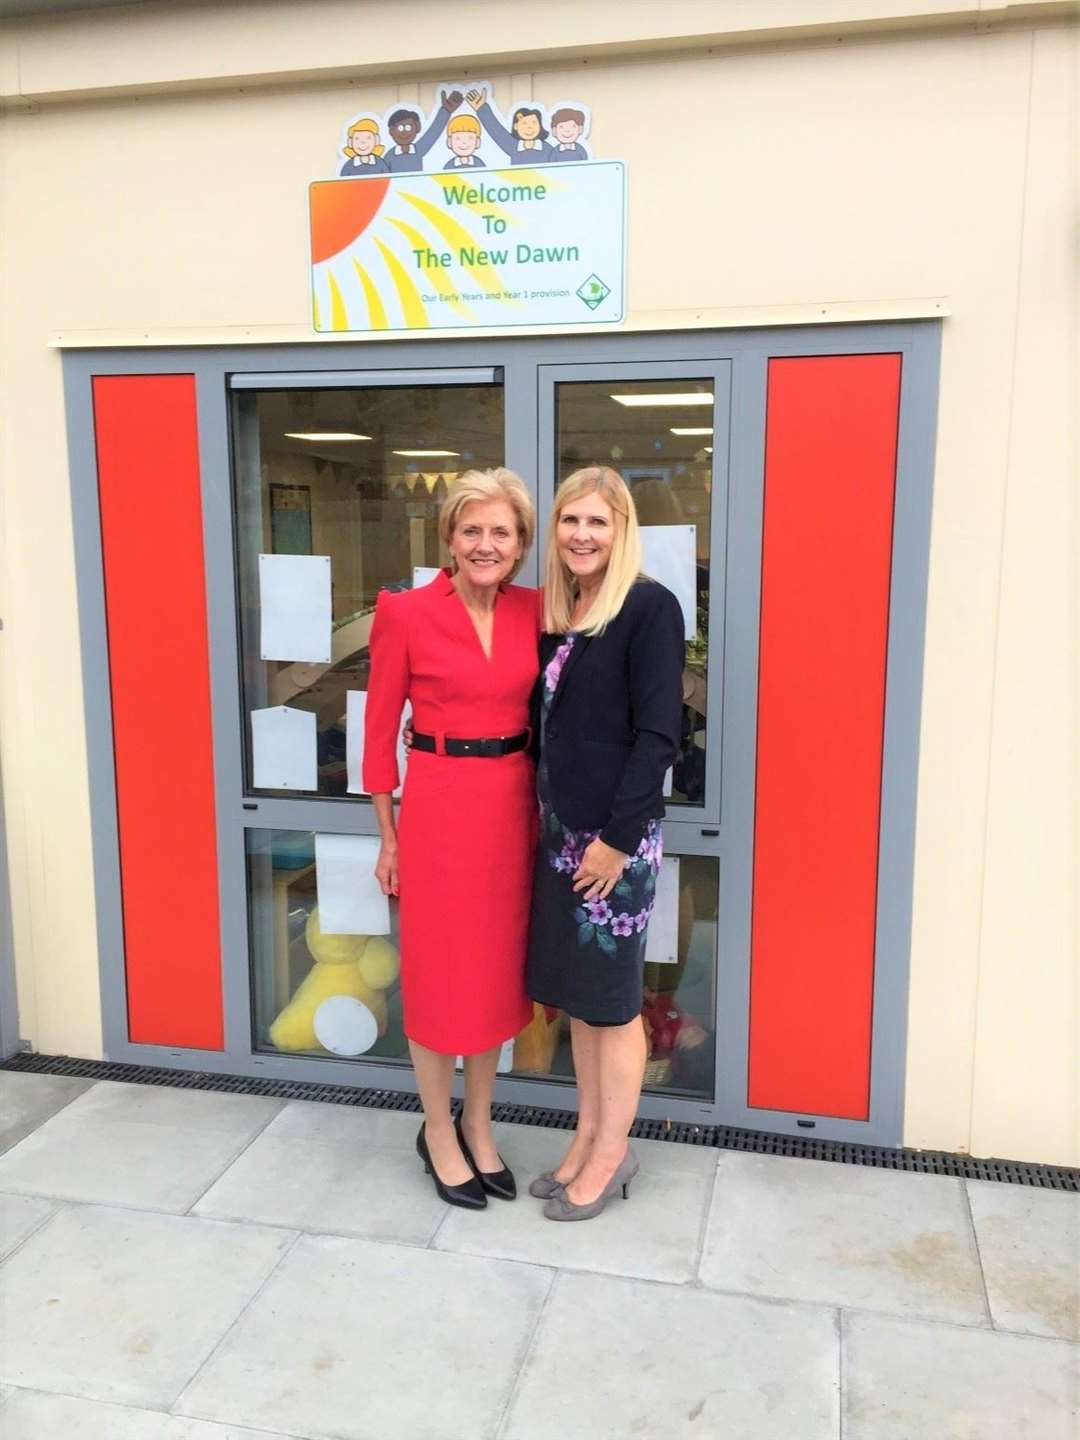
(586, 956)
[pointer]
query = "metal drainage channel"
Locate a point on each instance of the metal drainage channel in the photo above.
(721, 1137)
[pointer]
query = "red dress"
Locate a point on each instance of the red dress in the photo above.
(467, 831)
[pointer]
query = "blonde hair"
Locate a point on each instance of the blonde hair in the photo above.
(463, 122)
(482, 486)
(371, 128)
(624, 565)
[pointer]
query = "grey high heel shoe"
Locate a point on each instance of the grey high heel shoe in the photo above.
(545, 1185)
(561, 1207)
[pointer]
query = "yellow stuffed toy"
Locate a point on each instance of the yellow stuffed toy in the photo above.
(340, 1005)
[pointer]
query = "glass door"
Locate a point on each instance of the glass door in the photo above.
(664, 427)
(337, 490)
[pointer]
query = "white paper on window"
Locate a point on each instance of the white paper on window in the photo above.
(351, 901)
(294, 607)
(355, 713)
(669, 554)
(506, 1058)
(284, 749)
(669, 777)
(423, 575)
(662, 941)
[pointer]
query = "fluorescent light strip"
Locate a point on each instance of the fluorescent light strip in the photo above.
(324, 435)
(688, 397)
(424, 454)
(691, 429)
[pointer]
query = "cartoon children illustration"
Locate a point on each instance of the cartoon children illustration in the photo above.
(567, 128)
(362, 151)
(463, 138)
(409, 147)
(526, 140)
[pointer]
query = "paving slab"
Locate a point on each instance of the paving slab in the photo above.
(147, 1146)
(909, 1380)
(616, 1359)
(654, 1235)
(33, 1415)
(332, 1168)
(843, 1235)
(119, 1305)
(1029, 1241)
(26, 1100)
(20, 1216)
(370, 1341)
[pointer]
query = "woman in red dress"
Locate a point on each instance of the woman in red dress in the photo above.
(464, 651)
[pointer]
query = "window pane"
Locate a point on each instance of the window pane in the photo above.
(658, 434)
(339, 995)
(680, 999)
(310, 991)
(329, 473)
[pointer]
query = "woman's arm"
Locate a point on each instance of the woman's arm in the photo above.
(388, 688)
(655, 656)
(386, 871)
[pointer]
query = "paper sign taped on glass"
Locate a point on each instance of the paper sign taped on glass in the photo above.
(295, 607)
(284, 749)
(350, 899)
(355, 713)
(662, 940)
(669, 554)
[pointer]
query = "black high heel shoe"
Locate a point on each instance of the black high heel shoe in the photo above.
(469, 1196)
(500, 1183)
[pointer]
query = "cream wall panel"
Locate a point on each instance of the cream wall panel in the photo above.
(1027, 1063)
(266, 41)
(44, 753)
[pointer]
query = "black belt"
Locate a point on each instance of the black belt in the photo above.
(489, 748)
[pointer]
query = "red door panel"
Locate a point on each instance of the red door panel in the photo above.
(152, 547)
(827, 543)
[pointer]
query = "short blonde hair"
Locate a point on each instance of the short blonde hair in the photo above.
(482, 486)
(624, 566)
(463, 122)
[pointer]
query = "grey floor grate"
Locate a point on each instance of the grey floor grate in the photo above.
(723, 1137)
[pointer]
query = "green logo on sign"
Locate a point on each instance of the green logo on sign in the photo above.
(593, 291)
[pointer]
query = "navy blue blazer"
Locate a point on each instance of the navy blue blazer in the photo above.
(615, 719)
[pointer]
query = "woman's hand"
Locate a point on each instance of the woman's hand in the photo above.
(386, 871)
(600, 868)
(407, 732)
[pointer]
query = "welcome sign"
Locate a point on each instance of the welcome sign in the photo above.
(408, 239)
(525, 246)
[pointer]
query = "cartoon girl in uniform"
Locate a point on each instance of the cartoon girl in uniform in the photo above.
(362, 151)
(526, 142)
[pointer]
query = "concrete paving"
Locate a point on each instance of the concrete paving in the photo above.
(185, 1265)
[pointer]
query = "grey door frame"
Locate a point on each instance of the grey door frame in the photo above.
(745, 354)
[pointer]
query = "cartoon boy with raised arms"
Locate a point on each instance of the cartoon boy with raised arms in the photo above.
(409, 147)
(463, 138)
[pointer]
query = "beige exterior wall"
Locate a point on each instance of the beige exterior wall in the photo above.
(918, 161)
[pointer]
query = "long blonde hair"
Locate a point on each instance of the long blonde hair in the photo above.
(483, 485)
(624, 564)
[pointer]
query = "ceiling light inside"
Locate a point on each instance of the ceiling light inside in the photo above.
(691, 429)
(323, 435)
(681, 397)
(425, 454)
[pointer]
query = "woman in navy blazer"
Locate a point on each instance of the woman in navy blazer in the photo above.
(608, 713)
